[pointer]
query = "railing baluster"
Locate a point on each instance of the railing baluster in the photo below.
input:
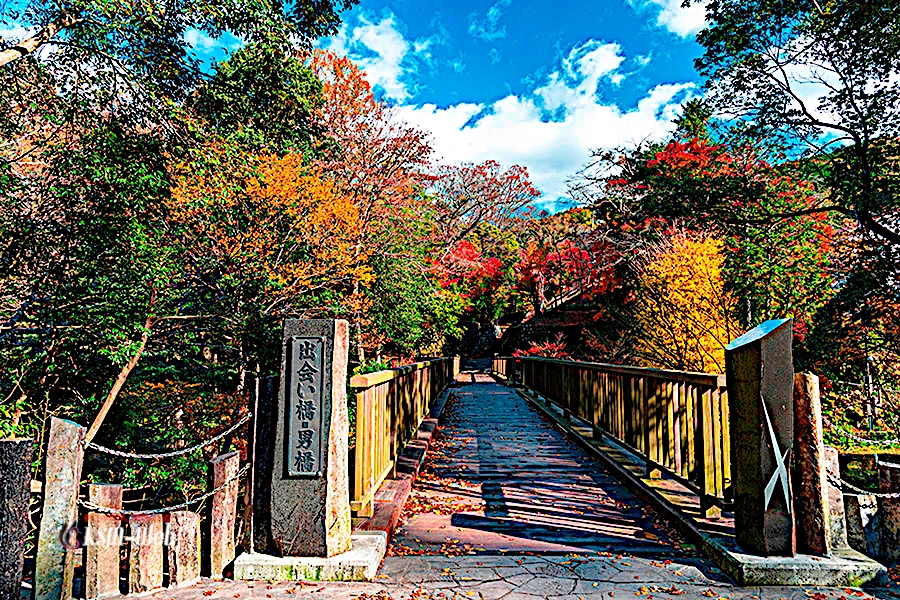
(676, 420)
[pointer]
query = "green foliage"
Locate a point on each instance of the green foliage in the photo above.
(264, 98)
(409, 310)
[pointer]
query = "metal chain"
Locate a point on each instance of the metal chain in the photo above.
(121, 511)
(858, 438)
(842, 484)
(219, 436)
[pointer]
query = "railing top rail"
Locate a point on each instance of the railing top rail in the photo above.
(710, 379)
(372, 379)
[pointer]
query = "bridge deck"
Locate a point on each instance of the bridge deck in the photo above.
(501, 479)
(507, 507)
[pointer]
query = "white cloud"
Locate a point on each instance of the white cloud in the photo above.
(458, 65)
(576, 83)
(519, 130)
(489, 28)
(13, 33)
(551, 129)
(684, 22)
(381, 50)
(198, 40)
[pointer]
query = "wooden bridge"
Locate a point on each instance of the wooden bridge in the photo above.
(517, 477)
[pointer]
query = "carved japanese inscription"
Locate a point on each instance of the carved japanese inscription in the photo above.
(303, 444)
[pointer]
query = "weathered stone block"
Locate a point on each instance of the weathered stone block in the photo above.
(837, 522)
(103, 541)
(184, 548)
(145, 553)
(15, 486)
(55, 561)
(889, 511)
(809, 478)
(863, 533)
(310, 506)
(224, 510)
(760, 376)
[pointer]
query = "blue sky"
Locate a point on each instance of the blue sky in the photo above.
(519, 81)
(527, 82)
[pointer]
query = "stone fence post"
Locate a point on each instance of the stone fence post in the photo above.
(15, 490)
(101, 552)
(889, 511)
(809, 477)
(760, 375)
(55, 561)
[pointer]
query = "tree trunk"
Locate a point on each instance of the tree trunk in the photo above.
(120, 381)
(29, 45)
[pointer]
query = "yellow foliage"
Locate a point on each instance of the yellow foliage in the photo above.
(684, 314)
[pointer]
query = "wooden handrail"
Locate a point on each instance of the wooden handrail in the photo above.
(390, 407)
(361, 382)
(710, 379)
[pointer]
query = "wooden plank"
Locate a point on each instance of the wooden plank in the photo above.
(669, 415)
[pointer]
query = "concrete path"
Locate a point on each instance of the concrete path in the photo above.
(506, 507)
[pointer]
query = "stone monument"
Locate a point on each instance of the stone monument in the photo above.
(310, 502)
(760, 376)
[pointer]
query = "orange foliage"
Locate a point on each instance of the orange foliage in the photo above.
(267, 219)
(376, 160)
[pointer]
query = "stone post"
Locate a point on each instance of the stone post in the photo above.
(809, 480)
(224, 510)
(15, 489)
(310, 500)
(184, 548)
(55, 561)
(760, 379)
(889, 512)
(265, 417)
(101, 550)
(837, 521)
(863, 531)
(145, 553)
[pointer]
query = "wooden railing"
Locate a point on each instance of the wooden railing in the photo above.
(676, 421)
(502, 366)
(390, 406)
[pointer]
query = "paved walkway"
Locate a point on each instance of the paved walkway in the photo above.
(506, 507)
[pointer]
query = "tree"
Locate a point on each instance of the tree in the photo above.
(824, 74)
(683, 313)
(468, 194)
(379, 163)
(267, 235)
(146, 42)
(265, 98)
(778, 241)
(85, 266)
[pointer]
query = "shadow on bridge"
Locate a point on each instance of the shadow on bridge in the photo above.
(501, 479)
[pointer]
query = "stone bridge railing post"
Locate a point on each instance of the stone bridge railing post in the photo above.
(760, 379)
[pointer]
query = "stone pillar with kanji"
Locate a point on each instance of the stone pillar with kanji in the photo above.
(760, 378)
(310, 506)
